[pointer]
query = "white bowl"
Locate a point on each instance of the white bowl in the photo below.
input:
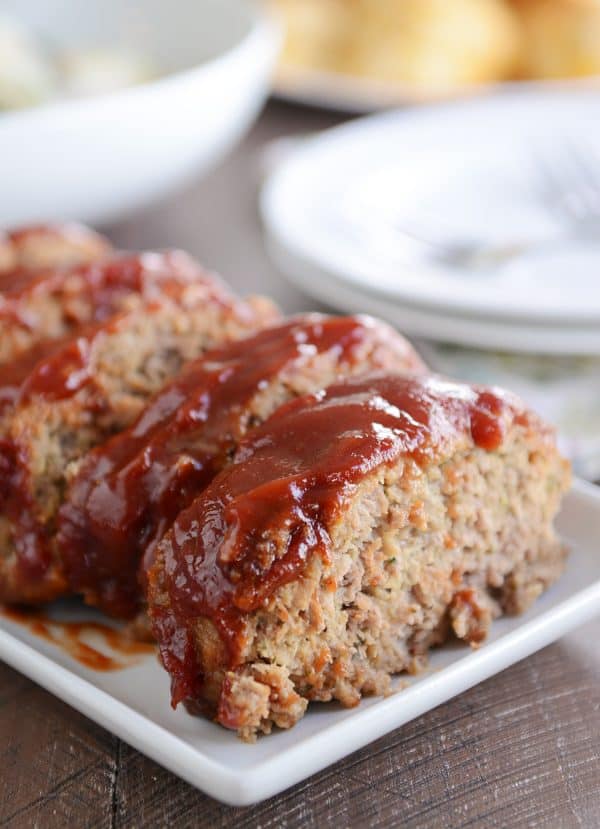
(97, 159)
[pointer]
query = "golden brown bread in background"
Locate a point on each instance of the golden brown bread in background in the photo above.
(561, 38)
(434, 47)
(318, 32)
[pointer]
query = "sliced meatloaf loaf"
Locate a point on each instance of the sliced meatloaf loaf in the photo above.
(355, 529)
(48, 246)
(91, 388)
(127, 492)
(38, 305)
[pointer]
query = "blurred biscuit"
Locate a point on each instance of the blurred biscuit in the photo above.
(435, 45)
(561, 37)
(318, 32)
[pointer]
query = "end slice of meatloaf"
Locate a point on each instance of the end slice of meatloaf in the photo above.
(48, 246)
(88, 390)
(42, 305)
(355, 529)
(126, 493)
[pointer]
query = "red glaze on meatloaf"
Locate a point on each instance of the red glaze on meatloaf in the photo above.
(80, 394)
(355, 529)
(41, 305)
(127, 492)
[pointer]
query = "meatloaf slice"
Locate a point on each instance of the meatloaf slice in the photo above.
(56, 302)
(89, 389)
(355, 529)
(14, 373)
(48, 246)
(127, 492)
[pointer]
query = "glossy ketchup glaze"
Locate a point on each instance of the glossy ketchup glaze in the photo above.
(65, 370)
(128, 491)
(225, 556)
(33, 568)
(37, 247)
(14, 375)
(60, 374)
(33, 554)
(92, 644)
(102, 287)
(53, 369)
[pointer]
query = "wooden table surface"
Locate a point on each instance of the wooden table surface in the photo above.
(520, 750)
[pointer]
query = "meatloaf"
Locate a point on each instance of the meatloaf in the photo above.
(40, 305)
(47, 246)
(355, 529)
(90, 388)
(127, 492)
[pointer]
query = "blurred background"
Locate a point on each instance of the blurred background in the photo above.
(369, 51)
(423, 49)
(434, 162)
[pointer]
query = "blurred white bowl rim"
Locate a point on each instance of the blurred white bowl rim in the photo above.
(340, 207)
(98, 159)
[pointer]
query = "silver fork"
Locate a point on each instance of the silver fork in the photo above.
(569, 187)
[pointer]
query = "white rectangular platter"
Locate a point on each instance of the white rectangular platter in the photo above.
(134, 702)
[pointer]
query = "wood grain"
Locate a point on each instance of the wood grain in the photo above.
(57, 768)
(520, 750)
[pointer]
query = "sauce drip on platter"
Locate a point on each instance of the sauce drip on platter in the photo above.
(95, 645)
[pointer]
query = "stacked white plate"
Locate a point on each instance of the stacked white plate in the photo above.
(351, 215)
(355, 94)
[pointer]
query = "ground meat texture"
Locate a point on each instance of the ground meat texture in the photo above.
(14, 373)
(355, 529)
(48, 246)
(126, 493)
(42, 305)
(92, 387)
(72, 303)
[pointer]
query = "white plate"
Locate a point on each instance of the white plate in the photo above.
(345, 93)
(348, 93)
(133, 703)
(468, 170)
(531, 338)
